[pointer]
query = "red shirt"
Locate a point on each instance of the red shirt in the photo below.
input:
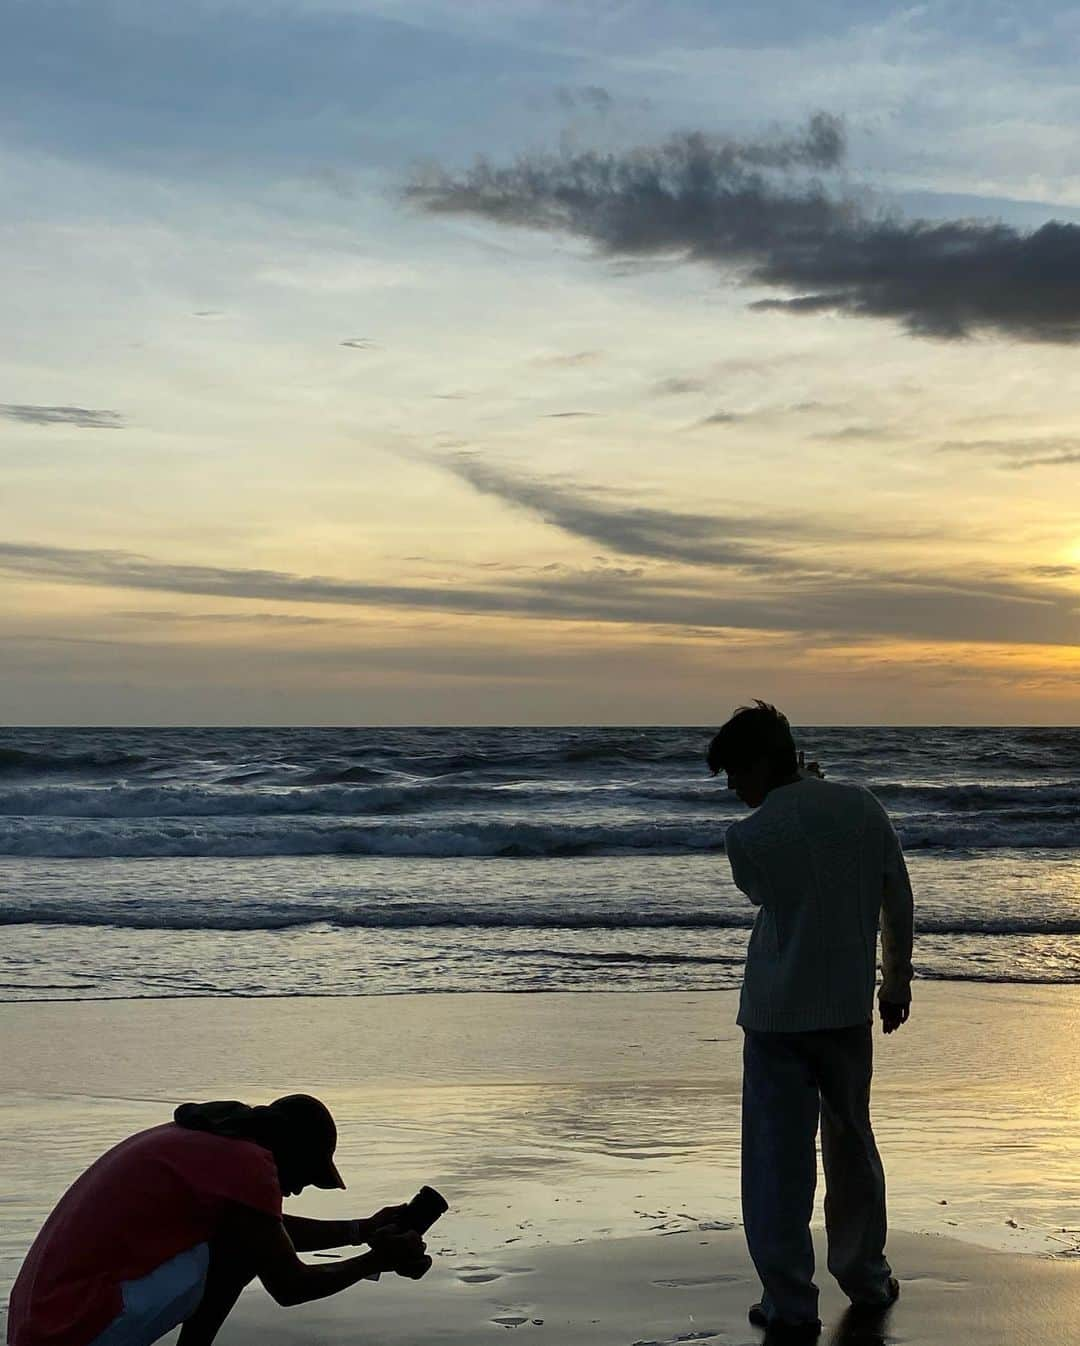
(156, 1194)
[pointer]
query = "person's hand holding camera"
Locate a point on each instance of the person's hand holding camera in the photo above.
(403, 1252)
(363, 1230)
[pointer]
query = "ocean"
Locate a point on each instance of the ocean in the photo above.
(347, 862)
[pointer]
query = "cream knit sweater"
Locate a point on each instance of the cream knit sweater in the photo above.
(823, 865)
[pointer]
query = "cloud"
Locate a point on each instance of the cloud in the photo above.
(360, 344)
(1050, 460)
(665, 535)
(82, 416)
(125, 570)
(569, 361)
(940, 607)
(1019, 454)
(673, 536)
(223, 618)
(568, 415)
(1056, 572)
(722, 418)
(677, 387)
(863, 433)
(759, 208)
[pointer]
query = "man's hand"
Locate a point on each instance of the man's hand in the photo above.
(403, 1253)
(389, 1215)
(893, 1016)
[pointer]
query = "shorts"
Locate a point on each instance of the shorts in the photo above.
(160, 1301)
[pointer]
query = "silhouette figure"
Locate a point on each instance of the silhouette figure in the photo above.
(824, 867)
(171, 1224)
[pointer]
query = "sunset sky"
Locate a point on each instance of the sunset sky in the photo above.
(464, 361)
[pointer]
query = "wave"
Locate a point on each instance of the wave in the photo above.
(1036, 830)
(368, 791)
(158, 838)
(465, 837)
(357, 792)
(26, 762)
(978, 796)
(329, 752)
(997, 977)
(509, 753)
(167, 914)
(216, 801)
(349, 775)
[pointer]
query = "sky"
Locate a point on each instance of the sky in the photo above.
(536, 362)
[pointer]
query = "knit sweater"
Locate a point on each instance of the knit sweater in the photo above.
(823, 865)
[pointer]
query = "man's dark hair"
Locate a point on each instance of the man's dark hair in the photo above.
(754, 732)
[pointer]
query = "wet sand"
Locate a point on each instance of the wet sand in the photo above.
(561, 1124)
(662, 1291)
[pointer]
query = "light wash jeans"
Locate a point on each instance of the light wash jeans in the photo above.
(155, 1304)
(789, 1081)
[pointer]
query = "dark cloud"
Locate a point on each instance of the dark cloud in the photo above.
(675, 536)
(758, 208)
(862, 433)
(86, 417)
(1051, 460)
(677, 387)
(780, 544)
(125, 570)
(360, 344)
(568, 415)
(166, 616)
(664, 535)
(1056, 572)
(569, 361)
(852, 606)
(722, 418)
(1019, 454)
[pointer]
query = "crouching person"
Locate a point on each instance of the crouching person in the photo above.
(170, 1225)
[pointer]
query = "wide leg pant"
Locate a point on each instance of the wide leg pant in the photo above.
(789, 1081)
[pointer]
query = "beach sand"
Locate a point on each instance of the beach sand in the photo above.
(588, 1144)
(665, 1290)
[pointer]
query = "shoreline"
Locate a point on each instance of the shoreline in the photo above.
(986, 983)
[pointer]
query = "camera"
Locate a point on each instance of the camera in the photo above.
(424, 1209)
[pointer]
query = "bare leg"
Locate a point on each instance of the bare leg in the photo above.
(230, 1270)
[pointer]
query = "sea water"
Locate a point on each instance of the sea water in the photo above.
(245, 862)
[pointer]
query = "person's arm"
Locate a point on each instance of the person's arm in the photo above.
(289, 1281)
(897, 934)
(311, 1235)
(742, 867)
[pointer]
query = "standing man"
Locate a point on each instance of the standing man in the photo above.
(823, 866)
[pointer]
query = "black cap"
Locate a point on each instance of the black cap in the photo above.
(305, 1127)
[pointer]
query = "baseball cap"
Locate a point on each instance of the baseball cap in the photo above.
(305, 1127)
